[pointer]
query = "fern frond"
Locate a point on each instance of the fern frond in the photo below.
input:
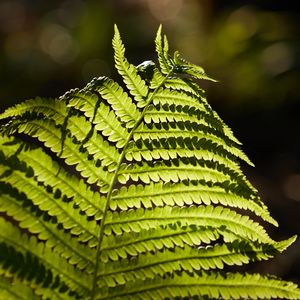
(186, 108)
(181, 66)
(64, 211)
(133, 81)
(205, 158)
(47, 107)
(117, 98)
(47, 170)
(132, 244)
(29, 259)
(47, 230)
(162, 49)
(130, 192)
(81, 130)
(183, 194)
(46, 131)
(188, 87)
(101, 115)
(137, 220)
(164, 149)
(206, 286)
(185, 67)
(171, 171)
(119, 247)
(172, 83)
(15, 290)
(183, 259)
(189, 137)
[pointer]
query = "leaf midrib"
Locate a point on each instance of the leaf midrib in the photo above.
(114, 179)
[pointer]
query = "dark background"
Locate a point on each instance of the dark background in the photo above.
(251, 47)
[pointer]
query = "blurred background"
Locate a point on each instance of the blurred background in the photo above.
(251, 47)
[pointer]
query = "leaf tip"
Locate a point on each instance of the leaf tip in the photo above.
(286, 243)
(158, 33)
(116, 30)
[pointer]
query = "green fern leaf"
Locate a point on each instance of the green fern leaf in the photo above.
(70, 219)
(210, 286)
(182, 194)
(32, 261)
(162, 49)
(130, 192)
(15, 291)
(135, 221)
(117, 98)
(187, 259)
(133, 81)
(46, 230)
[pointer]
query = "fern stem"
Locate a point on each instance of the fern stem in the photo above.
(113, 181)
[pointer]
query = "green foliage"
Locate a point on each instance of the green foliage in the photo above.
(130, 193)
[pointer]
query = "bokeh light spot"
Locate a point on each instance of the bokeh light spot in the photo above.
(277, 58)
(291, 187)
(243, 22)
(57, 42)
(164, 10)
